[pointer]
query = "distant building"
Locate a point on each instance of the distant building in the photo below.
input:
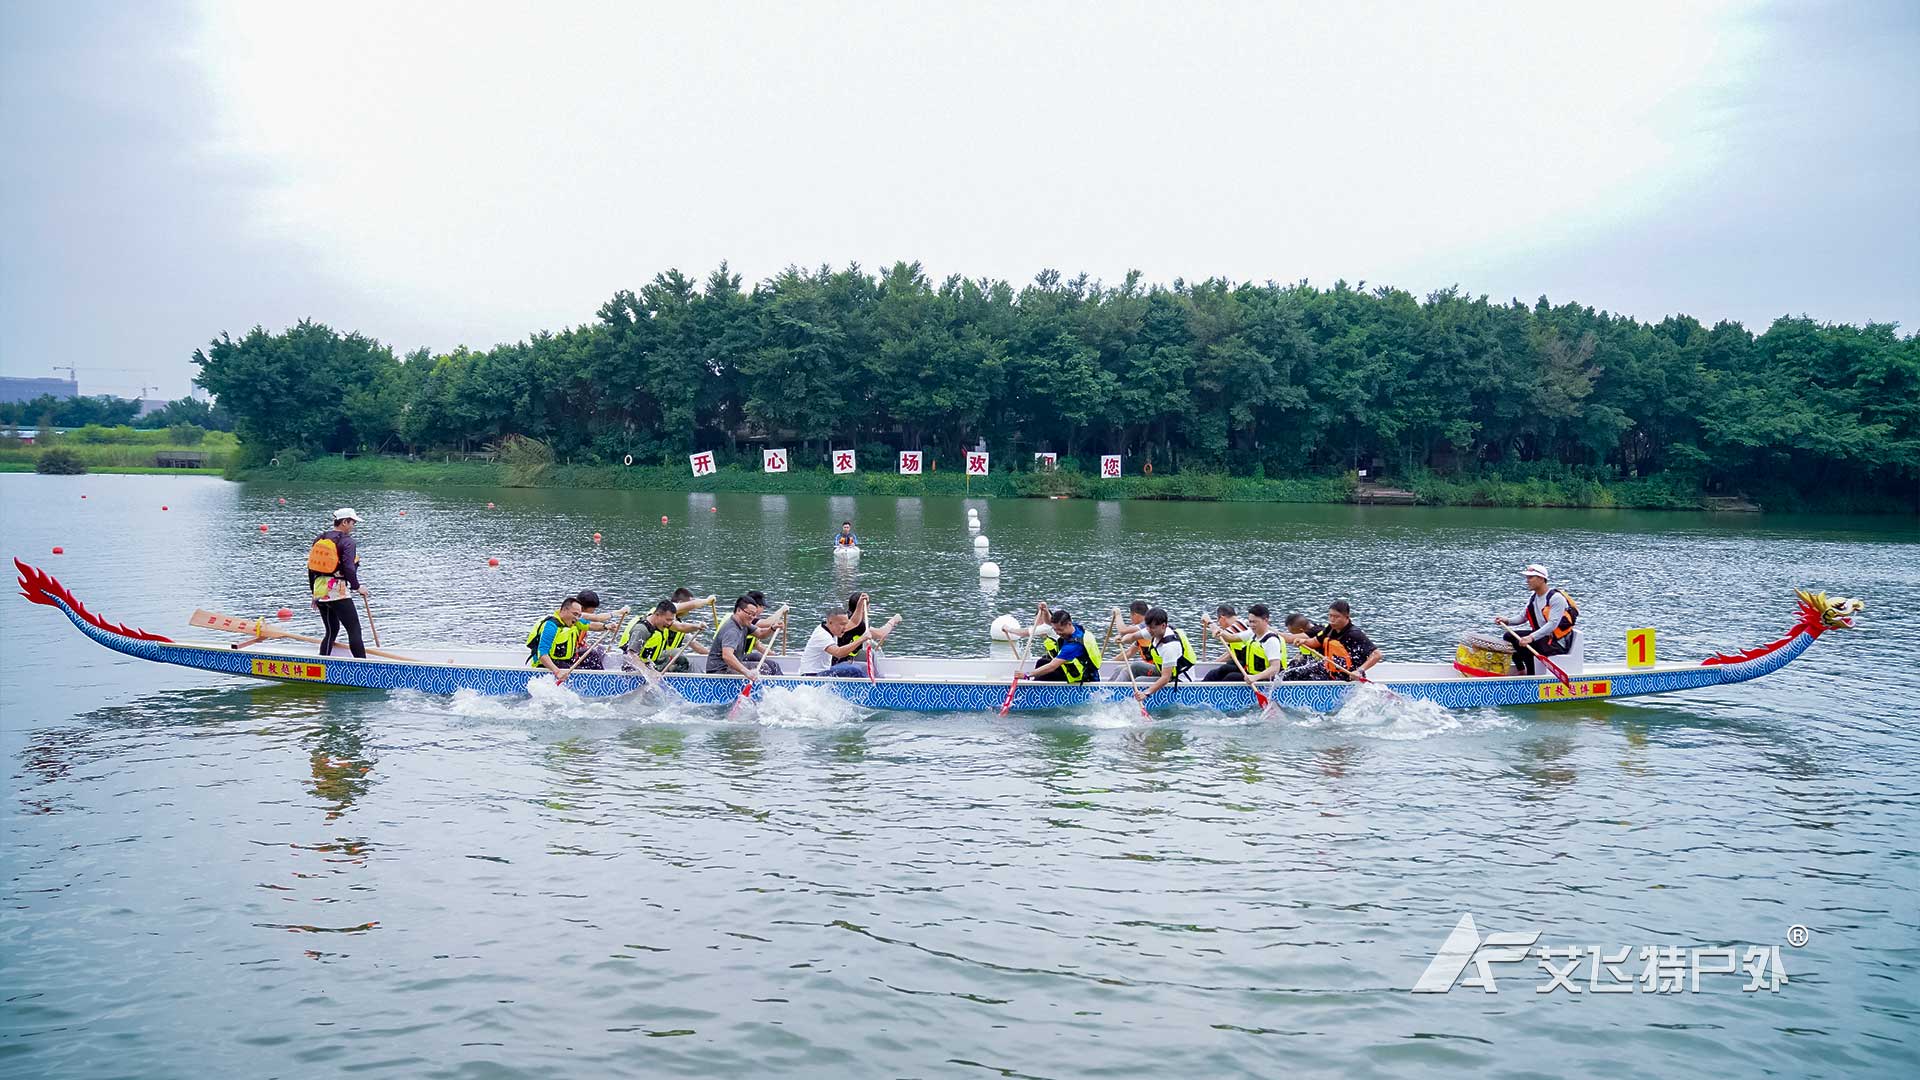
(150, 405)
(15, 390)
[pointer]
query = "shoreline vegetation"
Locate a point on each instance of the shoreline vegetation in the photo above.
(1561, 491)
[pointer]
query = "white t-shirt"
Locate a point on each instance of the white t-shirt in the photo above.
(815, 659)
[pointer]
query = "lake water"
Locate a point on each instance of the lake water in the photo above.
(208, 877)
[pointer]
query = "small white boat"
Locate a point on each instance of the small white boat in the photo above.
(846, 551)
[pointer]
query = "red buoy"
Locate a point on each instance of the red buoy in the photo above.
(283, 501)
(59, 551)
(284, 613)
(263, 528)
(493, 562)
(596, 538)
(403, 513)
(713, 509)
(489, 506)
(163, 508)
(663, 519)
(83, 496)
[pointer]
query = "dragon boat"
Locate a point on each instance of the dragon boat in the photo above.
(928, 684)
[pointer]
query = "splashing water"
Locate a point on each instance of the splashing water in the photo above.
(1374, 712)
(799, 707)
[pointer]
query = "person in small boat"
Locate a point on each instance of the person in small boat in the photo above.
(661, 639)
(737, 641)
(333, 576)
(1345, 651)
(845, 538)
(1167, 649)
(1073, 656)
(554, 643)
(1235, 635)
(1549, 616)
(592, 622)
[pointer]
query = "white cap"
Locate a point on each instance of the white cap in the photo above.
(1535, 570)
(347, 513)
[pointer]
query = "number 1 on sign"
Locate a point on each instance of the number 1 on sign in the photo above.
(1640, 647)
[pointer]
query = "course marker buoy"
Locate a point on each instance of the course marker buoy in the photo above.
(493, 562)
(663, 519)
(283, 501)
(989, 569)
(263, 528)
(596, 538)
(489, 506)
(284, 614)
(59, 551)
(980, 543)
(163, 508)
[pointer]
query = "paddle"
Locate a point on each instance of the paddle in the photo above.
(657, 681)
(371, 625)
(1551, 666)
(1019, 664)
(1265, 704)
(262, 632)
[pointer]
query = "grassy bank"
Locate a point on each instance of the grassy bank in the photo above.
(1545, 488)
(123, 449)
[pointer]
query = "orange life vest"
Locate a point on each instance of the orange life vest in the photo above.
(1565, 625)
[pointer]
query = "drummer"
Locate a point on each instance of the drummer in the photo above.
(1549, 616)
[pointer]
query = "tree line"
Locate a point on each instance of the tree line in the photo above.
(105, 410)
(1240, 378)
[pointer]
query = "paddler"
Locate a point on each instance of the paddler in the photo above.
(592, 622)
(1133, 635)
(333, 576)
(1167, 649)
(1072, 654)
(857, 633)
(1261, 649)
(1236, 636)
(684, 600)
(825, 654)
(845, 538)
(1345, 651)
(1549, 616)
(734, 642)
(554, 643)
(660, 638)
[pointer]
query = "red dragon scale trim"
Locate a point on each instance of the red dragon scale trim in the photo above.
(40, 587)
(1818, 614)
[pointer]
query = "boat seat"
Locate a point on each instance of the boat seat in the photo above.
(1575, 660)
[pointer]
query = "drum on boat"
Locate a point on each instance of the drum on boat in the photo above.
(1480, 653)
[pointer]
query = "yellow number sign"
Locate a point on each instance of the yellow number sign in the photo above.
(1640, 647)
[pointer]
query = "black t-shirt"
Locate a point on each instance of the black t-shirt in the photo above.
(1358, 645)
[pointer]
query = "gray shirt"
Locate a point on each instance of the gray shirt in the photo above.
(1554, 608)
(731, 635)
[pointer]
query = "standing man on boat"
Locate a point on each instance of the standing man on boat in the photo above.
(1345, 651)
(556, 640)
(731, 642)
(1167, 649)
(1549, 616)
(333, 576)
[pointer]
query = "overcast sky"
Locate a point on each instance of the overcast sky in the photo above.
(440, 175)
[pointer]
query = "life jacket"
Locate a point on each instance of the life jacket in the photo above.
(657, 643)
(1181, 663)
(324, 556)
(1334, 652)
(1257, 659)
(846, 540)
(1565, 625)
(1082, 669)
(565, 640)
(852, 636)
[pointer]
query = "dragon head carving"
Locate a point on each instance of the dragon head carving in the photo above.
(1829, 612)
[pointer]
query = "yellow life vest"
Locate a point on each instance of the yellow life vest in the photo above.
(1079, 670)
(565, 640)
(1181, 663)
(657, 643)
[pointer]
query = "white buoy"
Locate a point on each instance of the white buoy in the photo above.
(979, 543)
(989, 569)
(1004, 626)
(973, 526)
(972, 513)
